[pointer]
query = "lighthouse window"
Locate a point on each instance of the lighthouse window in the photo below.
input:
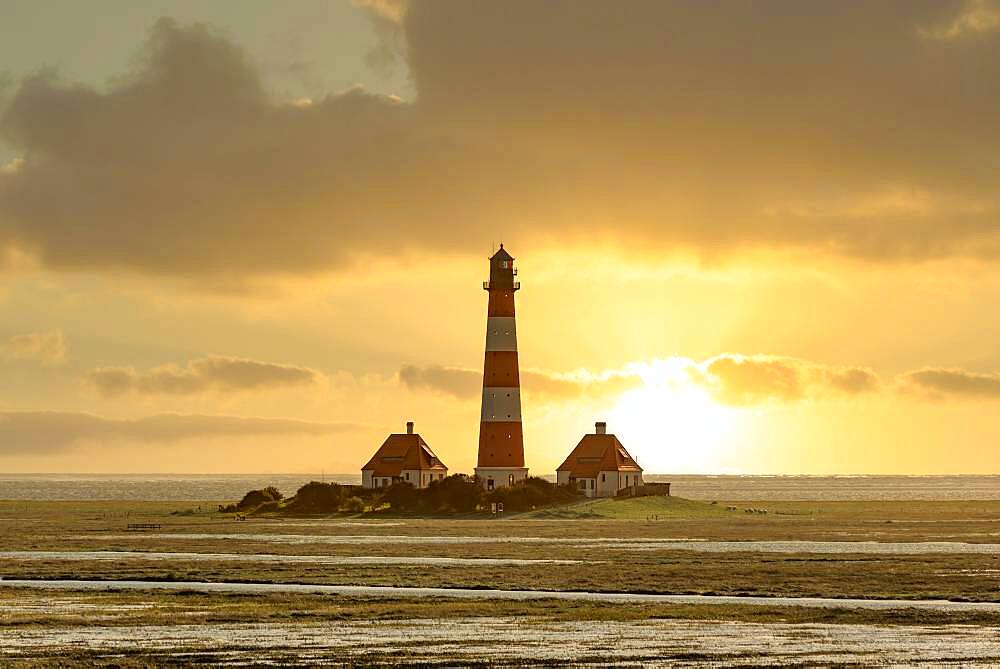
(508, 415)
(508, 394)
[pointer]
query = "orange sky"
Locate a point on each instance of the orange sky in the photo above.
(754, 239)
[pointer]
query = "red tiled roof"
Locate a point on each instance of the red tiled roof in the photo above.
(598, 453)
(403, 451)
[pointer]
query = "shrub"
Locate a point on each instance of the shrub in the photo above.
(354, 505)
(273, 493)
(402, 497)
(316, 497)
(267, 507)
(531, 493)
(456, 493)
(255, 498)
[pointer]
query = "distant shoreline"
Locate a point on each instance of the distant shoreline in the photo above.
(730, 487)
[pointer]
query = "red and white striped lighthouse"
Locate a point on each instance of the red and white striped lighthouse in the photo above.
(501, 442)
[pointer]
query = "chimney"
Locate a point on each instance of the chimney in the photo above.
(601, 427)
(409, 427)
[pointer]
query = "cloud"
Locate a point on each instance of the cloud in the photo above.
(730, 378)
(467, 383)
(657, 125)
(13, 167)
(748, 380)
(213, 373)
(976, 17)
(46, 347)
(39, 432)
(454, 381)
(940, 383)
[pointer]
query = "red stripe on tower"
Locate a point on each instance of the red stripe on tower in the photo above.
(501, 442)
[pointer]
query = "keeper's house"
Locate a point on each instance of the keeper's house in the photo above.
(600, 466)
(403, 458)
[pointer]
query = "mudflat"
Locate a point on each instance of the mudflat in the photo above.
(763, 552)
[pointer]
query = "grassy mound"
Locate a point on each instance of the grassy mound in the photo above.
(632, 508)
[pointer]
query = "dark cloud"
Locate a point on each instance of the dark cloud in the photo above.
(39, 432)
(747, 380)
(942, 383)
(866, 129)
(468, 384)
(454, 381)
(214, 373)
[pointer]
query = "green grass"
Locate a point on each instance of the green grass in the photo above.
(633, 508)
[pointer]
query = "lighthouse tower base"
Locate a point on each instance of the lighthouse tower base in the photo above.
(492, 478)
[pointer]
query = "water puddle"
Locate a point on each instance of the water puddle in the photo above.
(468, 593)
(652, 642)
(824, 547)
(631, 543)
(56, 605)
(74, 556)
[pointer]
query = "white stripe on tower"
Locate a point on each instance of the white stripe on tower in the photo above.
(501, 333)
(501, 404)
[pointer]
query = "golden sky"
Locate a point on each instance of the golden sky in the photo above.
(251, 236)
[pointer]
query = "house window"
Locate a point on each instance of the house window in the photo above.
(591, 484)
(603, 478)
(406, 476)
(489, 484)
(510, 480)
(583, 485)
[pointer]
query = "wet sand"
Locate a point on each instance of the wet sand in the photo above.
(626, 543)
(75, 556)
(940, 605)
(654, 642)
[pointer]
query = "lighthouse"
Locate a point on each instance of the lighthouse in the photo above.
(501, 442)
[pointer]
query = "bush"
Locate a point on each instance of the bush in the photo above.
(316, 497)
(531, 493)
(255, 498)
(267, 507)
(454, 494)
(354, 505)
(273, 493)
(402, 497)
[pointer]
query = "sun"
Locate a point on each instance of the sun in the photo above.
(671, 425)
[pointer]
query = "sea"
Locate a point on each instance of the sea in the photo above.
(224, 487)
